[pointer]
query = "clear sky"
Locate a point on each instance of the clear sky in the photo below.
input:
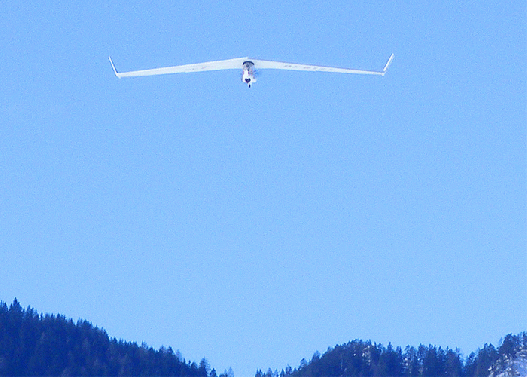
(256, 226)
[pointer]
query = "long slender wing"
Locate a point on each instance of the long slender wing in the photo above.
(236, 63)
(264, 64)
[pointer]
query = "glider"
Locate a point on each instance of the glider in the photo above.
(248, 67)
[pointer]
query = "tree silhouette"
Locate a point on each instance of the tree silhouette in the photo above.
(32, 344)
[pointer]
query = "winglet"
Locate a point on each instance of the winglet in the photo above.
(385, 67)
(113, 67)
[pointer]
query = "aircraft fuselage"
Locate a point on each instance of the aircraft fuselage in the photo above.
(248, 75)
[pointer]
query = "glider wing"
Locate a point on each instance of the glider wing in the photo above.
(268, 64)
(236, 63)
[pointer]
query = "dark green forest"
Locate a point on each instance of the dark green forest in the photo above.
(367, 359)
(51, 345)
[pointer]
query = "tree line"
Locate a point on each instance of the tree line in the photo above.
(37, 344)
(367, 359)
(51, 345)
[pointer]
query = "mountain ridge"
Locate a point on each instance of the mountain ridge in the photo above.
(48, 344)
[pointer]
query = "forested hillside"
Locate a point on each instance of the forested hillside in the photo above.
(364, 358)
(33, 344)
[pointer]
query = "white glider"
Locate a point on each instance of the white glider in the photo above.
(248, 67)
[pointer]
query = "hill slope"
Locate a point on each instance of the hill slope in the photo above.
(32, 344)
(364, 358)
(511, 365)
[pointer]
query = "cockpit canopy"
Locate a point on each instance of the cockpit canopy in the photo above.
(248, 65)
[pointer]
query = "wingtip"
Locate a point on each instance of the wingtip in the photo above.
(113, 66)
(388, 64)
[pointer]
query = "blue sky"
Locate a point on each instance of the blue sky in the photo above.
(255, 226)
